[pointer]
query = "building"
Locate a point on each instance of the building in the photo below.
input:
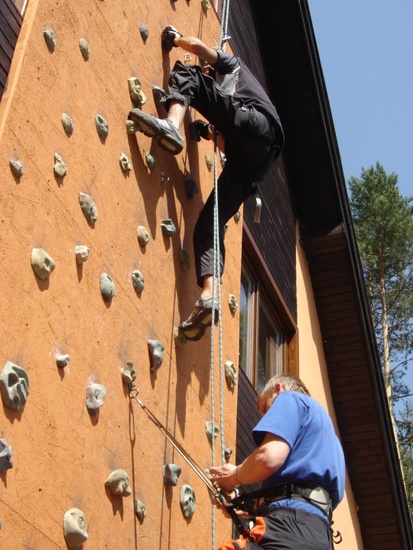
(300, 274)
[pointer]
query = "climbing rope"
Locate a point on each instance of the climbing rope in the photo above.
(216, 288)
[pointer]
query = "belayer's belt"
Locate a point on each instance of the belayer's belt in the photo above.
(315, 495)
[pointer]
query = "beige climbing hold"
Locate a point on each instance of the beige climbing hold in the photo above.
(143, 236)
(118, 483)
(42, 264)
(74, 528)
(179, 337)
(59, 166)
(136, 92)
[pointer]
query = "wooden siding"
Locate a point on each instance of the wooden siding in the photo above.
(10, 23)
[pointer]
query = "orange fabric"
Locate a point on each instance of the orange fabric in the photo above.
(257, 532)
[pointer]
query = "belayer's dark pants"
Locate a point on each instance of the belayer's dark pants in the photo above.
(287, 529)
(252, 143)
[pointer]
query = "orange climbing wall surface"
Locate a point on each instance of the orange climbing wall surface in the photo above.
(61, 454)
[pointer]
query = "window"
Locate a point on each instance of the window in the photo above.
(266, 344)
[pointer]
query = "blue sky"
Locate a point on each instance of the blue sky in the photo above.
(366, 51)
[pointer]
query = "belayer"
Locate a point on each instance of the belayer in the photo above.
(239, 112)
(300, 463)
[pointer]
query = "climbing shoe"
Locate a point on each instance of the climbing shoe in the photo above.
(168, 38)
(162, 129)
(200, 318)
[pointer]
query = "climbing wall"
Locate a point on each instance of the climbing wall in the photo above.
(87, 307)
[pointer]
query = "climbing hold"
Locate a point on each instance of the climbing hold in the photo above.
(136, 92)
(223, 159)
(50, 38)
(143, 32)
(68, 124)
(88, 208)
(159, 95)
(164, 177)
(151, 162)
(237, 216)
(107, 287)
(140, 510)
(155, 348)
(187, 59)
(168, 228)
(125, 163)
(191, 189)
(230, 374)
(84, 48)
(5, 456)
(59, 165)
(205, 5)
(118, 483)
(179, 337)
(14, 386)
(138, 281)
(209, 162)
(171, 473)
(16, 167)
(62, 360)
(128, 373)
(95, 397)
(74, 528)
(211, 430)
(143, 236)
(102, 127)
(233, 303)
(42, 264)
(184, 260)
(82, 254)
(227, 454)
(188, 501)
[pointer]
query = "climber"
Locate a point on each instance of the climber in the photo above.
(240, 113)
(300, 461)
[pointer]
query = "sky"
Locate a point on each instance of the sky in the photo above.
(366, 52)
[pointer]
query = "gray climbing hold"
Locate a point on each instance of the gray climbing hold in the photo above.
(188, 501)
(184, 260)
(136, 92)
(209, 162)
(138, 281)
(68, 124)
(88, 208)
(143, 32)
(211, 430)
(128, 373)
(155, 348)
(42, 264)
(143, 236)
(107, 287)
(84, 48)
(50, 38)
(125, 163)
(140, 510)
(82, 254)
(14, 386)
(95, 397)
(205, 5)
(168, 228)
(171, 473)
(233, 303)
(5, 456)
(62, 360)
(16, 167)
(118, 483)
(230, 374)
(59, 166)
(151, 162)
(237, 216)
(74, 528)
(102, 127)
(191, 189)
(179, 337)
(227, 454)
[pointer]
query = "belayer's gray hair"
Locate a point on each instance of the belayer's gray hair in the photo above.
(288, 381)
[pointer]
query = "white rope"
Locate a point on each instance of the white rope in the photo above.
(217, 286)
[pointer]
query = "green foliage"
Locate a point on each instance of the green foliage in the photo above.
(383, 221)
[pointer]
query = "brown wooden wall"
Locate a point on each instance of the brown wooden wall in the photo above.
(10, 23)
